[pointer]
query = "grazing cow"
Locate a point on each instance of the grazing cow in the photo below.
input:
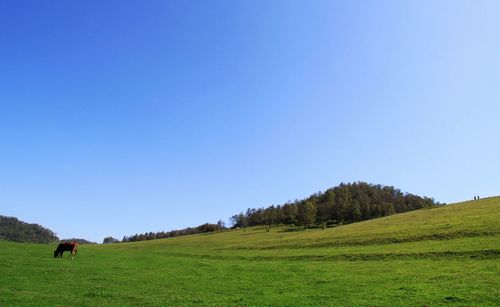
(66, 246)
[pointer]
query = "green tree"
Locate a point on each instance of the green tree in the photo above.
(221, 225)
(109, 240)
(290, 213)
(239, 220)
(243, 221)
(355, 211)
(306, 213)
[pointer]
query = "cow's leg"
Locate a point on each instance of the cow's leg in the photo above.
(74, 250)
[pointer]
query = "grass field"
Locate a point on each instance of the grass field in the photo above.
(427, 257)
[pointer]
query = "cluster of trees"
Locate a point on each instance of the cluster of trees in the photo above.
(109, 240)
(80, 241)
(207, 227)
(346, 203)
(343, 204)
(15, 230)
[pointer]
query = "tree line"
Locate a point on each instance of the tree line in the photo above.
(13, 229)
(346, 203)
(79, 240)
(207, 227)
(343, 204)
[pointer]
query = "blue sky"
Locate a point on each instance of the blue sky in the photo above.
(123, 117)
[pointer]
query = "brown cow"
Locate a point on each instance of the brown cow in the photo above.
(66, 246)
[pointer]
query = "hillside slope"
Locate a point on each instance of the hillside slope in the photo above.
(425, 257)
(15, 230)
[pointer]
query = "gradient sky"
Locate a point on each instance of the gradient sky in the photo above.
(123, 117)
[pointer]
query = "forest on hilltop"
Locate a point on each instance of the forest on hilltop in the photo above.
(343, 204)
(15, 230)
(346, 203)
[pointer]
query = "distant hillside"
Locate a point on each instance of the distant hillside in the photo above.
(81, 241)
(343, 204)
(15, 230)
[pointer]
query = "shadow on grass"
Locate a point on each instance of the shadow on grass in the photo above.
(291, 229)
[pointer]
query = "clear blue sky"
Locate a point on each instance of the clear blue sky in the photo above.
(123, 117)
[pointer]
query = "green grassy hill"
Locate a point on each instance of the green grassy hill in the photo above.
(427, 257)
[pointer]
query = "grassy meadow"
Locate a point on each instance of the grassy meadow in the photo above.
(439, 256)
